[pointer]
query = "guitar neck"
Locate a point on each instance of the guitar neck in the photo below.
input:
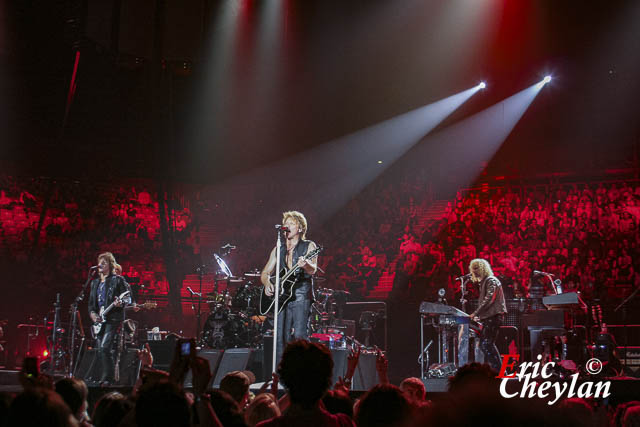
(107, 310)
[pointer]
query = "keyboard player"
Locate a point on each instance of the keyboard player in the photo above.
(491, 309)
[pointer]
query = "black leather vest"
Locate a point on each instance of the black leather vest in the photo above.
(304, 282)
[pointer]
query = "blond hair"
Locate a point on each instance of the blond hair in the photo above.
(480, 269)
(299, 218)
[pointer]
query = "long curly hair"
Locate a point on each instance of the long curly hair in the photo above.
(480, 269)
(110, 259)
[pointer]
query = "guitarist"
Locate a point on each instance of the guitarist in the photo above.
(105, 288)
(491, 309)
(292, 320)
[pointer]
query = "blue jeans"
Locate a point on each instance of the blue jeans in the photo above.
(292, 324)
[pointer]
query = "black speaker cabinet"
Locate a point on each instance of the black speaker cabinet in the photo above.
(233, 359)
(129, 367)
(87, 368)
(366, 375)
(214, 357)
(339, 363)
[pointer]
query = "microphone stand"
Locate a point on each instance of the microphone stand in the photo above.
(56, 319)
(200, 270)
(74, 320)
(625, 323)
(463, 292)
(276, 302)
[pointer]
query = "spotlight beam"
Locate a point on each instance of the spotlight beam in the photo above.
(465, 148)
(326, 177)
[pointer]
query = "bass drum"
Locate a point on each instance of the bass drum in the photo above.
(213, 332)
(236, 332)
(224, 330)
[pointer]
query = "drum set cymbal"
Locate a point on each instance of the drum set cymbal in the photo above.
(252, 273)
(230, 279)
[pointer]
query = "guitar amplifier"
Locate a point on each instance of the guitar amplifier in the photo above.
(630, 357)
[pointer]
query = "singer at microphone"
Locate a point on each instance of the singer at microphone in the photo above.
(293, 250)
(106, 290)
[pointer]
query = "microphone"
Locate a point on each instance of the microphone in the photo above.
(542, 273)
(95, 267)
(466, 276)
(283, 228)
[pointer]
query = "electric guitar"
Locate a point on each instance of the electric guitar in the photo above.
(96, 328)
(288, 281)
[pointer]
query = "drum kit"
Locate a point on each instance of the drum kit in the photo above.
(233, 319)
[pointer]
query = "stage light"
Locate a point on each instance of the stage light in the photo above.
(482, 85)
(45, 353)
(546, 79)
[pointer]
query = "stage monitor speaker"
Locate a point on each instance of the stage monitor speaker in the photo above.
(339, 356)
(366, 375)
(233, 359)
(436, 385)
(87, 368)
(129, 367)
(162, 352)
(214, 357)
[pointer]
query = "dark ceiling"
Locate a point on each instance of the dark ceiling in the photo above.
(249, 97)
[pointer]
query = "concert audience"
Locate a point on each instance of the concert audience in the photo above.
(75, 392)
(384, 405)
(583, 234)
(110, 409)
(306, 371)
(263, 407)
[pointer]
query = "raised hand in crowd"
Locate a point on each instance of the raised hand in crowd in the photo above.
(274, 384)
(352, 363)
(145, 356)
(382, 365)
(201, 374)
(179, 364)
